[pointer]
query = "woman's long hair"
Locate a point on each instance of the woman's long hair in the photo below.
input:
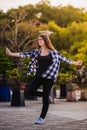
(47, 41)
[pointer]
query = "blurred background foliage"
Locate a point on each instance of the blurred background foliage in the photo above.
(19, 30)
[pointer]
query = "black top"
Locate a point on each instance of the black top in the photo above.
(43, 63)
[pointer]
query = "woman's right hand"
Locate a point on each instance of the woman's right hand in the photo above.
(8, 52)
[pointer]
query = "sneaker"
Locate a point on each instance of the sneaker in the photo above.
(40, 121)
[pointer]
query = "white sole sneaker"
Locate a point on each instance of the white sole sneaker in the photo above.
(40, 121)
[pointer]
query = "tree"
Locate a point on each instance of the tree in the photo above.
(5, 64)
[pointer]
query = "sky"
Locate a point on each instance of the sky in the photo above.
(8, 4)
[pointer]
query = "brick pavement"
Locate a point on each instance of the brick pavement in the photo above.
(61, 116)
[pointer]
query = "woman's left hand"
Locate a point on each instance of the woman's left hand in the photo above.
(79, 62)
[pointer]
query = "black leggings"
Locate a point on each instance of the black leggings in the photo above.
(47, 85)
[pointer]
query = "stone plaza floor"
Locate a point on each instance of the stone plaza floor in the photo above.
(62, 115)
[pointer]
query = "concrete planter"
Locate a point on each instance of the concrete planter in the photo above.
(83, 96)
(18, 98)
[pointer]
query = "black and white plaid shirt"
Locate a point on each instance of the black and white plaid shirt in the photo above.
(52, 71)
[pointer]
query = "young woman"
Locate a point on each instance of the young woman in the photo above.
(45, 63)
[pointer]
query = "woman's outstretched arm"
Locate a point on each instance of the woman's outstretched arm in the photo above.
(14, 54)
(79, 62)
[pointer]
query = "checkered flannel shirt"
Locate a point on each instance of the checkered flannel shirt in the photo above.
(52, 71)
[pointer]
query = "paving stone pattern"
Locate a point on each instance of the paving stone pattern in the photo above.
(59, 116)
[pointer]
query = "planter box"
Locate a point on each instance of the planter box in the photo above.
(83, 96)
(5, 93)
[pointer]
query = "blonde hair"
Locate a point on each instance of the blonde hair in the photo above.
(47, 41)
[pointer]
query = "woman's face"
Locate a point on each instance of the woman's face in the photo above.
(41, 41)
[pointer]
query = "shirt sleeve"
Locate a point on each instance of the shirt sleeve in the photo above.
(62, 58)
(29, 54)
